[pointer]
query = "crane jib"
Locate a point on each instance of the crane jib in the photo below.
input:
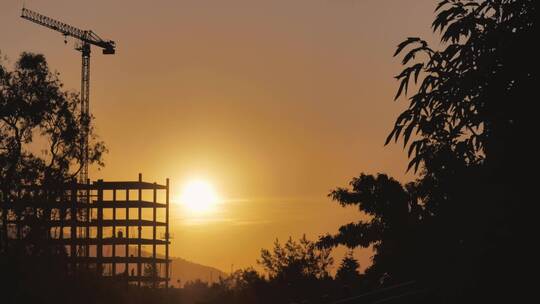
(90, 37)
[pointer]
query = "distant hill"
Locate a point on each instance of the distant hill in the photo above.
(181, 269)
(185, 271)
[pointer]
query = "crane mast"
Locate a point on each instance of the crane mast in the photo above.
(86, 39)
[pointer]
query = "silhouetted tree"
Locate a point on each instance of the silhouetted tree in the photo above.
(297, 270)
(471, 94)
(40, 140)
(243, 279)
(393, 213)
(40, 134)
(465, 129)
(33, 105)
(242, 286)
(296, 260)
(469, 122)
(348, 276)
(348, 269)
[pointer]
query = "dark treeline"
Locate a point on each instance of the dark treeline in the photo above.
(463, 228)
(461, 232)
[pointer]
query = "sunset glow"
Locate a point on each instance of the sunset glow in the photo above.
(267, 152)
(255, 110)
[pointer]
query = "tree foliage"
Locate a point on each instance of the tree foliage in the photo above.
(40, 143)
(40, 149)
(461, 104)
(40, 127)
(295, 260)
(465, 130)
(348, 269)
(391, 211)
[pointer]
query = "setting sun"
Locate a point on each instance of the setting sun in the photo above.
(199, 197)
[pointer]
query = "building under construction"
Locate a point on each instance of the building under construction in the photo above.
(119, 230)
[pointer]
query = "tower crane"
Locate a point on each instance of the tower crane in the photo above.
(86, 39)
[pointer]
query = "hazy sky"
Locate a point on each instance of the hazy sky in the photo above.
(273, 102)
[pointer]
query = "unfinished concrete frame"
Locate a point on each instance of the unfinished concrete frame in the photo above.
(100, 226)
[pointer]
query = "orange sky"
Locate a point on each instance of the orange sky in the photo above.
(274, 102)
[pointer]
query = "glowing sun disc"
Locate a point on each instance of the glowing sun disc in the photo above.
(199, 196)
